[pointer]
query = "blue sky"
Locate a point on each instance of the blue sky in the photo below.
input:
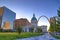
(26, 8)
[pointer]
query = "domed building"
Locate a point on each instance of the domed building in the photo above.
(34, 23)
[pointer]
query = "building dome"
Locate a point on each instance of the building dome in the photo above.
(33, 18)
(34, 21)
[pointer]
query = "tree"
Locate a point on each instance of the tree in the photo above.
(58, 26)
(0, 30)
(51, 27)
(19, 29)
(39, 30)
(31, 29)
(58, 13)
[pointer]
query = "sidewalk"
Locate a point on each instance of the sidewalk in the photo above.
(47, 36)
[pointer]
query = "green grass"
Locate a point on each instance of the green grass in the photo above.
(13, 36)
(8, 36)
(55, 36)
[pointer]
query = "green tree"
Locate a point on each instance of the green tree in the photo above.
(52, 27)
(31, 29)
(39, 30)
(19, 29)
(0, 30)
(58, 26)
(58, 13)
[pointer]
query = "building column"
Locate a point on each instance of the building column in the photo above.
(27, 29)
(35, 29)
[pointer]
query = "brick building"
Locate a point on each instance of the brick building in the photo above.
(21, 22)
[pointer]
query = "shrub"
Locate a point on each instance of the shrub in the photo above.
(0, 30)
(31, 29)
(39, 30)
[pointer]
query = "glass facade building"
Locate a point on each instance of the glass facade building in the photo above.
(7, 18)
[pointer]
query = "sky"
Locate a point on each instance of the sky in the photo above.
(26, 8)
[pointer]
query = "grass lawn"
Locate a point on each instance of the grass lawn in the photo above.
(13, 35)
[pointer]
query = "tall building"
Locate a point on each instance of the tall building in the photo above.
(34, 21)
(52, 20)
(7, 18)
(21, 22)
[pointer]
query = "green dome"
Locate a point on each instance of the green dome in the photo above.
(33, 18)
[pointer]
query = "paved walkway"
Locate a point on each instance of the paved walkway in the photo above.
(47, 36)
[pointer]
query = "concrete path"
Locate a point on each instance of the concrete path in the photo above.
(47, 36)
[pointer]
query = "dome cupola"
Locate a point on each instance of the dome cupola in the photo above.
(33, 18)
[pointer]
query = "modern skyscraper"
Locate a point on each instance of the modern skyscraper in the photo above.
(7, 18)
